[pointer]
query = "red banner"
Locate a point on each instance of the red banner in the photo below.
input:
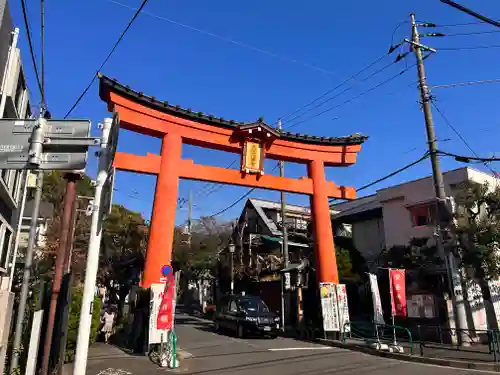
(165, 314)
(398, 292)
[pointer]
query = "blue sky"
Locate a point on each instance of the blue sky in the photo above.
(282, 54)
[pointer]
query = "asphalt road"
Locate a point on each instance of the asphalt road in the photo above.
(213, 353)
(210, 353)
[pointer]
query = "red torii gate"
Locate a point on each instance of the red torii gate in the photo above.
(254, 141)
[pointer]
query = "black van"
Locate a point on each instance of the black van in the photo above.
(246, 315)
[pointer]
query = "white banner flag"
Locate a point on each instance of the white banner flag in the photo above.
(343, 308)
(378, 313)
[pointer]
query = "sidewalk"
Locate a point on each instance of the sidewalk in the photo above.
(108, 357)
(474, 357)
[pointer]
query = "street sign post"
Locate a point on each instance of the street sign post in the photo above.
(107, 193)
(64, 146)
(112, 142)
(100, 208)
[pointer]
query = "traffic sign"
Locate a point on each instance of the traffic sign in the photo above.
(64, 146)
(107, 193)
(113, 140)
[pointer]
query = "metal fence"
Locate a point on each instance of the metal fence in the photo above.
(371, 333)
(485, 342)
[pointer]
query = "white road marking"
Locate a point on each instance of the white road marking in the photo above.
(114, 371)
(301, 348)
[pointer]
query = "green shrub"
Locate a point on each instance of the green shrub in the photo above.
(74, 320)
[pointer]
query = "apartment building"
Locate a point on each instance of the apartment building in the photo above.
(396, 214)
(14, 103)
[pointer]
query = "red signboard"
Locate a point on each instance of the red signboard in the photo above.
(398, 292)
(165, 313)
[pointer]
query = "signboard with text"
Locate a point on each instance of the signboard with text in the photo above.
(252, 158)
(64, 148)
(329, 307)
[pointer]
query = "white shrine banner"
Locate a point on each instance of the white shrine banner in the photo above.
(378, 313)
(343, 308)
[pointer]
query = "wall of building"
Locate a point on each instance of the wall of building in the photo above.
(5, 33)
(399, 226)
(397, 202)
(14, 89)
(368, 238)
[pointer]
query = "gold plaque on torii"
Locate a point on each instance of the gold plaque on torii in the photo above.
(252, 158)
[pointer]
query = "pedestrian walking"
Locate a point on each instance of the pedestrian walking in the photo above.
(108, 320)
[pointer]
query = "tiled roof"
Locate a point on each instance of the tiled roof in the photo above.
(112, 85)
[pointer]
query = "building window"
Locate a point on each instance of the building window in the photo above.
(422, 215)
(21, 88)
(5, 240)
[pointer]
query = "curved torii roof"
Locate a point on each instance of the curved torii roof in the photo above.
(108, 85)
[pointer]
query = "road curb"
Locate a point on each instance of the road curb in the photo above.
(416, 358)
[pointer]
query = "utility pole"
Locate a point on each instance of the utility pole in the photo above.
(19, 226)
(92, 266)
(67, 298)
(284, 236)
(64, 238)
(72, 230)
(442, 225)
(35, 151)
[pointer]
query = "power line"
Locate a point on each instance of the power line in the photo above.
(214, 188)
(341, 92)
(336, 87)
(461, 24)
(239, 199)
(474, 33)
(467, 158)
(144, 2)
(30, 44)
(471, 12)
(458, 134)
(348, 79)
(483, 82)
(392, 174)
(396, 29)
(233, 41)
(353, 98)
(234, 203)
(42, 36)
(469, 47)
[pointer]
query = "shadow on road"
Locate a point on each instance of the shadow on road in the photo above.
(266, 363)
(188, 321)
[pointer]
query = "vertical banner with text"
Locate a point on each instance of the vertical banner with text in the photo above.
(378, 313)
(165, 317)
(343, 308)
(398, 292)
(329, 307)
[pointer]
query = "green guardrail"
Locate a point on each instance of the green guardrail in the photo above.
(172, 347)
(377, 332)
